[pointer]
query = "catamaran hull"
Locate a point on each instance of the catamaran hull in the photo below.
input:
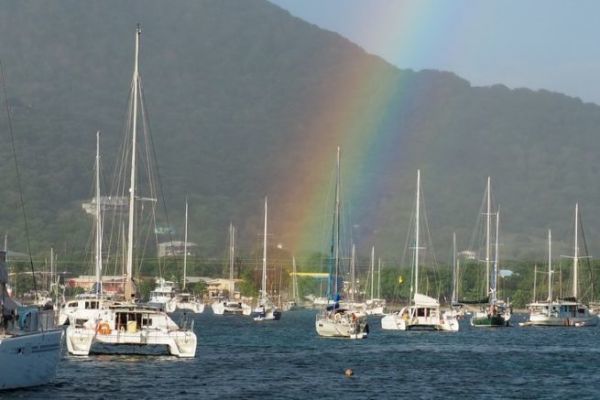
(270, 315)
(221, 308)
(397, 323)
(168, 307)
(332, 328)
(196, 308)
(556, 321)
(375, 311)
(180, 343)
(29, 360)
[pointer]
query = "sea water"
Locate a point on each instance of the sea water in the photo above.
(238, 358)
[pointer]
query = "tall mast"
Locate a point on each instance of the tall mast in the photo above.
(379, 278)
(487, 235)
(54, 276)
(534, 282)
(98, 221)
(496, 257)
(123, 250)
(185, 241)
(294, 280)
(576, 251)
(454, 273)
(549, 265)
(134, 94)
(263, 294)
(231, 258)
(418, 210)
(52, 272)
(337, 222)
(372, 270)
(353, 273)
(52, 268)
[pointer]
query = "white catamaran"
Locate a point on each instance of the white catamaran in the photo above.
(561, 312)
(129, 325)
(424, 312)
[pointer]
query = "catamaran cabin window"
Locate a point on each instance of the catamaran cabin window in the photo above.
(91, 305)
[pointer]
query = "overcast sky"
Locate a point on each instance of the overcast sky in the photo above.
(536, 44)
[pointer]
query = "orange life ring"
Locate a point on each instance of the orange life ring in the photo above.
(103, 328)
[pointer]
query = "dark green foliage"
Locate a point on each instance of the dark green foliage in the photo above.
(234, 89)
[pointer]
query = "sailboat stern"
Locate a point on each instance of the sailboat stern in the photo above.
(184, 344)
(79, 341)
(394, 322)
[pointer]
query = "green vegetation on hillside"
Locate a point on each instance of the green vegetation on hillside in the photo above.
(233, 91)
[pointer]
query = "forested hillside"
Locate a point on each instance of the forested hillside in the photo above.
(242, 97)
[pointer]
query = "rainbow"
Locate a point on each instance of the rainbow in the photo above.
(358, 111)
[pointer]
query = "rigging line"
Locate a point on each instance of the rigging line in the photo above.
(587, 258)
(475, 235)
(150, 140)
(151, 182)
(18, 172)
(430, 249)
(117, 185)
(397, 292)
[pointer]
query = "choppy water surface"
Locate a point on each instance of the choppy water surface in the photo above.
(239, 358)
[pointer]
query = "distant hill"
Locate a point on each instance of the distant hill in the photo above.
(245, 100)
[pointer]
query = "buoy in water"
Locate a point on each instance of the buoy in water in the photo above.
(348, 372)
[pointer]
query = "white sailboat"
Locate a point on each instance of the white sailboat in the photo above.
(266, 309)
(229, 305)
(86, 306)
(424, 312)
(30, 345)
(334, 320)
(561, 312)
(456, 307)
(351, 303)
(130, 325)
(294, 302)
(375, 305)
(184, 300)
(496, 313)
